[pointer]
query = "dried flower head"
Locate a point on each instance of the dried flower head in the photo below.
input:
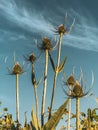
(17, 69)
(77, 89)
(61, 29)
(70, 81)
(31, 58)
(46, 44)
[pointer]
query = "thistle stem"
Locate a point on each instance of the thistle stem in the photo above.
(17, 99)
(55, 75)
(59, 49)
(69, 112)
(44, 87)
(36, 96)
(77, 113)
(36, 100)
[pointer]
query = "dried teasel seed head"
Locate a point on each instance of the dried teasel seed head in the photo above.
(61, 29)
(17, 69)
(32, 58)
(77, 89)
(46, 44)
(70, 81)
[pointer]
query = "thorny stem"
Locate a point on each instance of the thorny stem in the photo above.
(17, 99)
(55, 75)
(36, 97)
(77, 113)
(44, 87)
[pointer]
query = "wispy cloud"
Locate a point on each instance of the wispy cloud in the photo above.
(31, 21)
(84, 34)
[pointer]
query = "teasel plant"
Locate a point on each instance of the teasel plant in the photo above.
(91, 119)
(17, 70)
(61, 30)
(46, 46)
(32, 59)
(79, 91)
(70, 83)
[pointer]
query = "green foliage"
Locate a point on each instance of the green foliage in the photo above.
(55, 118)
(89, 120)
(39, 81)
(61, 66)
(35, 125)
(52, 62)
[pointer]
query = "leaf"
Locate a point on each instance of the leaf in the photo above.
(39, 81)
(52, 62)
(61, 66)
(94, 113)
(55, 118)
(34, 121)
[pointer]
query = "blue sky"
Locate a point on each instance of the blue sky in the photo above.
(23, 21)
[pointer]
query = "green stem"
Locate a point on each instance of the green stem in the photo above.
(44, 87)
(77, 113)
(17, 99)
(55, 75)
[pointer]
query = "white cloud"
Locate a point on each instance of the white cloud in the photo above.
(84, 34)
(31, 21)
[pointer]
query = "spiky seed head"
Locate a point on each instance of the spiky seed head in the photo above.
(77, 89)
(46, 44)
(32, 58)
(70, 81)
(17, 69)
(61, 29)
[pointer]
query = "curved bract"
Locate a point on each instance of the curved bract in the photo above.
(61, 29)
(77, 92)
(77, 89)
(46, 44)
